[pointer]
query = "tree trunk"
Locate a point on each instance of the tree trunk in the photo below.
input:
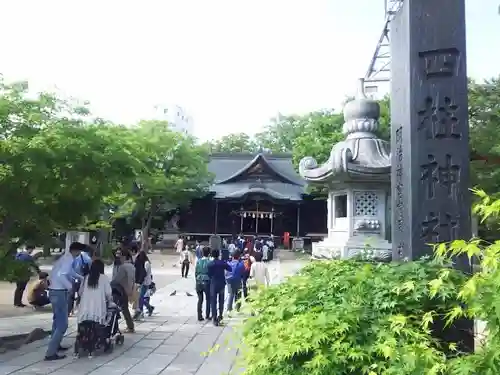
(146, 227)
(46, 250)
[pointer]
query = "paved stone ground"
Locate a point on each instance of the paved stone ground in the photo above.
(171, 342)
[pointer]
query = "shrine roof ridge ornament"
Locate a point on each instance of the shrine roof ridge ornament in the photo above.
(362, 155)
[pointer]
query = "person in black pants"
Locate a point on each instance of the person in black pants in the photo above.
(203, 283)
(24, 256)
(217, 275)
(18, 293)
(73, 297)
(185, 268)
(246, 274)
(120, 295)
(185, 262)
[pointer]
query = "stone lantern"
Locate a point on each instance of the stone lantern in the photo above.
(358, 177)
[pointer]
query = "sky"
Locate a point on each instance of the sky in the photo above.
(232, 64)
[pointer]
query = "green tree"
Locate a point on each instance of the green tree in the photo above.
(484, 123)
(176, 172)
(234, 142)
(320, 131)
(52, 160)
(384, 128)
(57, 164)
(280, 134)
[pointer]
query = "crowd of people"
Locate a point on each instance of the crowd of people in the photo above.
(78, 285)
(238, 267)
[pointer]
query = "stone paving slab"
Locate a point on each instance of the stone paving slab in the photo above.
(170, 342)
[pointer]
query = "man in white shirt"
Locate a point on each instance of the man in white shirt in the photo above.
(61, 283)
(179, 245)
(231, 248)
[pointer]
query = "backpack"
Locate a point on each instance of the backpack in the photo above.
(85, 266)
(201, 271)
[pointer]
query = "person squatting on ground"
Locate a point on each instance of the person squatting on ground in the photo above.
(234, 282)
(144, 278)
(25, 257)
(216, 273)
(124, 280)
(37, 292)
(61, 283)
(203, 283)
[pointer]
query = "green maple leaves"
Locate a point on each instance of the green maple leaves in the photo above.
(349, 317)
(353, 317)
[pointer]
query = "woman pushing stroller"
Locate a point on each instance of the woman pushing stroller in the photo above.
(95, 292)
(96, 298)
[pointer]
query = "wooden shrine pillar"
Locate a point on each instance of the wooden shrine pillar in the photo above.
(216, 216)
(298, 220)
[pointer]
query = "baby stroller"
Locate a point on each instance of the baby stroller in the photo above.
(92, 336)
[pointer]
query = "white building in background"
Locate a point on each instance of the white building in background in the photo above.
(177, 117)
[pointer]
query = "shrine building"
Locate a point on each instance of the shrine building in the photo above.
(255, 194)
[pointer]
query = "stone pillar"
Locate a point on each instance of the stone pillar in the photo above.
(430, 134)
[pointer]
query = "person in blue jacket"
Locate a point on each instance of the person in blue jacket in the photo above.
(216, 273)
(24, 256)
(234, 281)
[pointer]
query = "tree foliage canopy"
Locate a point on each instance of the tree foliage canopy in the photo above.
(235, 142)
(176, 172)
(315, 133)
(61, 168)
(484, 121)
(57, 163)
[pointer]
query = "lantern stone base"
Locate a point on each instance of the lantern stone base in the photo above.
(369, 247)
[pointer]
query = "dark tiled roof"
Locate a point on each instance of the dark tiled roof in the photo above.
(227, 166)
